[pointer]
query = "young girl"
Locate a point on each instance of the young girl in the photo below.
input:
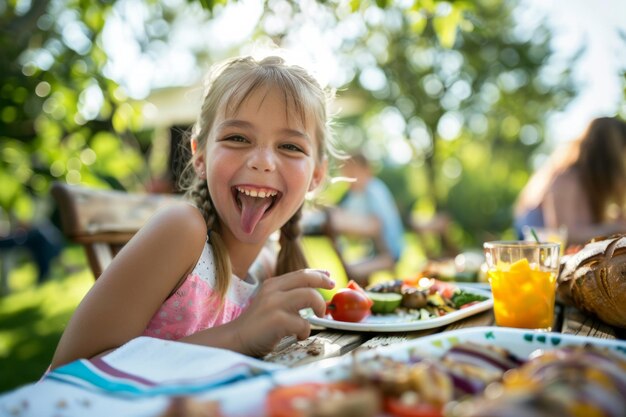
(202, 273)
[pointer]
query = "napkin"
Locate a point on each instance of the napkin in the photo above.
(146, 366)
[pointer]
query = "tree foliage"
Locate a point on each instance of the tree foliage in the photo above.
(468, 93)
(62, 116)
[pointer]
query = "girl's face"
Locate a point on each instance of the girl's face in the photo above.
(259, 163)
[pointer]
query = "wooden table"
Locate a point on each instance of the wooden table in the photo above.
(327, 343)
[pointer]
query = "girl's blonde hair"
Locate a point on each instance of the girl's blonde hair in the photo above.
(227, 88)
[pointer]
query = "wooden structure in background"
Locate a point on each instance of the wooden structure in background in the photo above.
(103, 221)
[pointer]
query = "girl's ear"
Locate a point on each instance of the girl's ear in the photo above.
(319, 173)
(199, 165)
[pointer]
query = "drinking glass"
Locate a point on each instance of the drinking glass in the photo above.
(523, 282)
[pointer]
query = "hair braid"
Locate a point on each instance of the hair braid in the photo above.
(199, 194)
(291, 256)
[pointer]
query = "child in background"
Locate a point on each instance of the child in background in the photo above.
(203, 273)
(368, 210)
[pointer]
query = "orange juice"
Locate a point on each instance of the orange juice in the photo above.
(523, 295)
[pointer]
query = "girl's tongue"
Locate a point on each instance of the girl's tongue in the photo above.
(252, 209)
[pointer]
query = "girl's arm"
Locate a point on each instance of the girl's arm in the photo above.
(128, 293)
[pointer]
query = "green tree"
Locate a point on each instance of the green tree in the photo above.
(471, 94)
(62, 117)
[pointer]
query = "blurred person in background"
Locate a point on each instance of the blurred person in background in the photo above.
(581, 187)
(368, 210)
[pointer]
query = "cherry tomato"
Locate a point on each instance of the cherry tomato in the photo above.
(349, 305)
(288, 401)
(397, 408)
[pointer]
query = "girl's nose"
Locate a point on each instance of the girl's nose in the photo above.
(262, 160)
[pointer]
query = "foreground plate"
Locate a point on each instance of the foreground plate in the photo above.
(397, 323)
(519, 342)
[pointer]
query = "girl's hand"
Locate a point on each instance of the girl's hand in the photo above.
(275, 311)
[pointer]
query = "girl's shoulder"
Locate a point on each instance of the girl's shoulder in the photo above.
(181, 213)
(176, 223)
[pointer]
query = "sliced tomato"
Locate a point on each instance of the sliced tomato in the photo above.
(397, 408)
(445, 289)
(353, 285)
(288, 401)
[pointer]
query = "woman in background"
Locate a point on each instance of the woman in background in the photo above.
(581, 188)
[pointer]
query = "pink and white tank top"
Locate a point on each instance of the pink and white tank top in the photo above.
(193, 308)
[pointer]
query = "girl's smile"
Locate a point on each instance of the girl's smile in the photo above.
(254, 203)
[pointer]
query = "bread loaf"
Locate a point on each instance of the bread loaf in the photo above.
(594, 280)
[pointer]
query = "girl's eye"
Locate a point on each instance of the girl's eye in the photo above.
(236, 138)
(293, 148)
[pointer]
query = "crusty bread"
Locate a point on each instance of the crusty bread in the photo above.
(594, 279)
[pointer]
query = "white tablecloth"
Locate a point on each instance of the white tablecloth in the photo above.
(137, 379)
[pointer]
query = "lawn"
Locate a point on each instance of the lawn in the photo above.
(33, 317)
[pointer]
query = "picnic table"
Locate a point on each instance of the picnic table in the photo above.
(142, 377)
(328, 343)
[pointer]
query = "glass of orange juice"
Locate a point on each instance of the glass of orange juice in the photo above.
(523, 282)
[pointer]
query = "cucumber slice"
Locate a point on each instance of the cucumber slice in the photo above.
(384, 302)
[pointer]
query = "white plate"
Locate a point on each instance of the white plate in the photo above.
(397, 323)
(519, 342)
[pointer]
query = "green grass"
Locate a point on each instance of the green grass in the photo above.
(33, 317)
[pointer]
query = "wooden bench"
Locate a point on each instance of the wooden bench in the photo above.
(103, 221)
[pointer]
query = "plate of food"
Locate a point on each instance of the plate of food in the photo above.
(401, 305)
(462, 373)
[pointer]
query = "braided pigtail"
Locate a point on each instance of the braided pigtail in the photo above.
(291, 256)
(199, 194)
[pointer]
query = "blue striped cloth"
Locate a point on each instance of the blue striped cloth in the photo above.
(148, 367)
